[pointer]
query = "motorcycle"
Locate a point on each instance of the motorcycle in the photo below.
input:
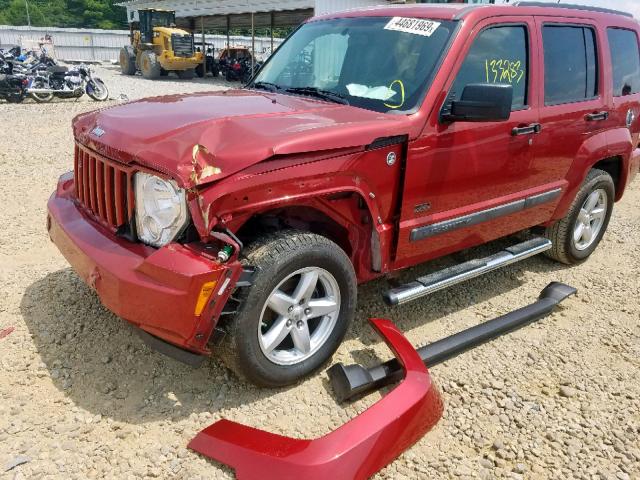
(61, 82)
(11, 53)
(28, 63)
(13, 87)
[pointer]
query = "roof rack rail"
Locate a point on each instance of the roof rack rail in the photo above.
(572, 7)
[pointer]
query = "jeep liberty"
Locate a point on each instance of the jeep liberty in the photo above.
(242, 221)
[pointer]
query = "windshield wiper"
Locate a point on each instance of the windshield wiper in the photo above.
(319, 93)
(270, 87)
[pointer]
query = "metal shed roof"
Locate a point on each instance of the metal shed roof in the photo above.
(285, 12)
(216, 13)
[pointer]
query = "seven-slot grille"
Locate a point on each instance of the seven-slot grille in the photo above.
(182, 45)
(103, 187)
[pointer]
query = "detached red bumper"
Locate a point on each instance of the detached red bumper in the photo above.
(155, 289)
(355, 451)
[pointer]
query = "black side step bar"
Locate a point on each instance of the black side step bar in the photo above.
(354, 380)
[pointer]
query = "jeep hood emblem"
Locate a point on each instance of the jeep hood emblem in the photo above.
(98, 132)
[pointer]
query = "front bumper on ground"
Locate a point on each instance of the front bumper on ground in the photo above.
(355, 451)
(155, 289)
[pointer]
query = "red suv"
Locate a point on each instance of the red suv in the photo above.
(370, 141)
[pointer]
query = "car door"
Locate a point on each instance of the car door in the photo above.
(465, 182)
(574, 105)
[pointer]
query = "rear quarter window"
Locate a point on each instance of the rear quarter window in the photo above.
(625, 61)
(570, 64)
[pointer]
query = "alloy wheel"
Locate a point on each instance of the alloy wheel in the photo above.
(590, 219)
(299, 316)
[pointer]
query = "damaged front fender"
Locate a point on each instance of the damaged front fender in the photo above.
(355, 451)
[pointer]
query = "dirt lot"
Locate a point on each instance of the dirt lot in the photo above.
(82, 397)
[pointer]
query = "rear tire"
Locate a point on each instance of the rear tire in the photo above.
(40, 97)
(282, 261)
(186, 74)
(15, 98)
(127, 60)
(571, 244)
(149, 65)
(200, 71)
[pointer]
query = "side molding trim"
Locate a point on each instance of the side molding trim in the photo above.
(426, 231)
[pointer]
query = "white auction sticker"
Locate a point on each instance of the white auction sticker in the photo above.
(417, 26)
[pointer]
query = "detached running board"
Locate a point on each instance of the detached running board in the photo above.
(354, 380)
(465, 271)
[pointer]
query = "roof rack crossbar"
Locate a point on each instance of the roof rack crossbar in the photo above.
(572, 6)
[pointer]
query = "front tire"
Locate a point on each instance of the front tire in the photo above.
(296, 313)
(127, 60)
(97, 90)
(578, 234)
(149, 65)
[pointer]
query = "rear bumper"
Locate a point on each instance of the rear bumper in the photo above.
(155, 289)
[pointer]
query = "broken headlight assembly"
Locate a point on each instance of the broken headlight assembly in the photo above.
(160, 210)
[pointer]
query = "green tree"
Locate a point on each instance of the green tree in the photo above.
(64, 13)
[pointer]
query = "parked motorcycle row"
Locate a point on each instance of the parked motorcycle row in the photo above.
(37, 75)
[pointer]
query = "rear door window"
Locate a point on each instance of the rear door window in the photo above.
(625, 60)
(570, 64)
(498, 55)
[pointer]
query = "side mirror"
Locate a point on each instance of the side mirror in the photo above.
(481, 102)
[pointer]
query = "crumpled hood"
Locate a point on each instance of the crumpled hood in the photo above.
(237, 129)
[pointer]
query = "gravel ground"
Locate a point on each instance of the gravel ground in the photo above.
(82, 397)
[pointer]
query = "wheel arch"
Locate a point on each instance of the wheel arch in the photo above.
(598, 151)
(342, 217)
(614, 166)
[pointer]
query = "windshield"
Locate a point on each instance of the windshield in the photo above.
(378, 63)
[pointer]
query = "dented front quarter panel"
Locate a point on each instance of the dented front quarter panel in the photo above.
(355, 451)
(314, 182)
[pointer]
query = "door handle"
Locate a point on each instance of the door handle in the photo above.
(527, 130)
(597, 117)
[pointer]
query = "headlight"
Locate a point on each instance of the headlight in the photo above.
(161, 209)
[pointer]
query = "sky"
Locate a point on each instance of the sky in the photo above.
(632, 6)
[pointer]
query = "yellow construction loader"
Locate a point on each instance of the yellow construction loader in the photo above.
(158, 47)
